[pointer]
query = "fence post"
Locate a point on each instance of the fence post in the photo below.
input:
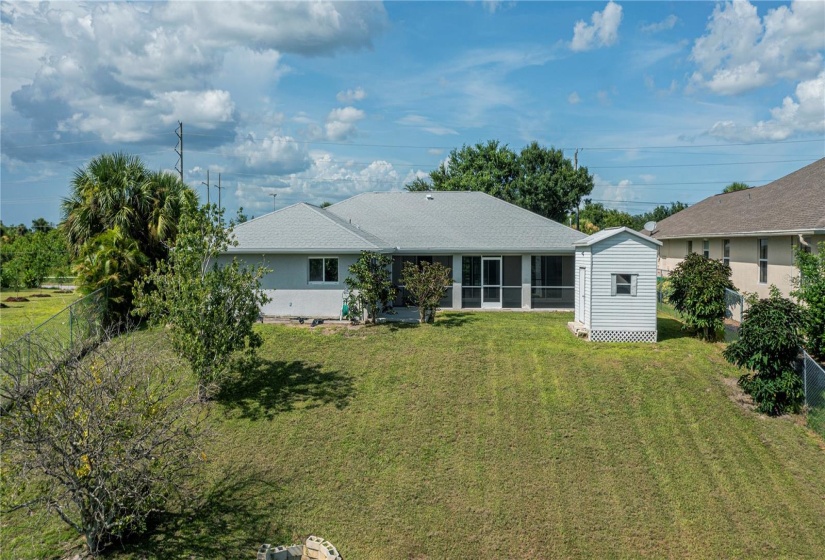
(71, 325)
(29, 352)
(805, 375)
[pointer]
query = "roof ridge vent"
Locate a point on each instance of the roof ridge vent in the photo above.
(429, 196)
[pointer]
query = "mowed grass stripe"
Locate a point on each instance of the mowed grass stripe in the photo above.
(497, 435)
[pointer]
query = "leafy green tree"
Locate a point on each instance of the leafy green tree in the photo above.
(326, 204)
(111, 260)
(370, 285)
(697, 291)
(735, 186)
(100, 439)
(27, 259)
(596, 214)
(768, 345)
(660, 213)
(539, 179)
(117, 191)
(810, 290)
(40, 224)
(208, 306)
(418, 185)
(427, 284)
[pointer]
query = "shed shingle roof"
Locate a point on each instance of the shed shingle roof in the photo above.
(794, 203)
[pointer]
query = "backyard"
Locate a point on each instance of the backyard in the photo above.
(18, 318)
(486, 435)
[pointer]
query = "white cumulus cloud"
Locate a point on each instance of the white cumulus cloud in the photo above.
(804, 114)
(741, 51)
(351, 95)
(602, 32)
(668, 23)
(340, 123)
(574, 98)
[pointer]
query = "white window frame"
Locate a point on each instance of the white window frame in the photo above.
(323, 269)
(726, 251)
(706, 248)
(614, 283)
(760, 260)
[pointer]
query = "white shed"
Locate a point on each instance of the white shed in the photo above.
(616, 286)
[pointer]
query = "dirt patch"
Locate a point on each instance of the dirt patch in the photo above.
(737, 395)
(14, 299)
(63, 291)
(3, 306)
(41, 295)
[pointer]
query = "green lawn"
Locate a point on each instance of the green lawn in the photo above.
(489, 435)
(19, 318)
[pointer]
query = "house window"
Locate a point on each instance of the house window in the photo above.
(323, 269)
(726, 252)
(624, 284)
(763, 260)
(706, 248)
(690, 247)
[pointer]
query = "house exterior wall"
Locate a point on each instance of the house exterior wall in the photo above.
(744, 259)
(582, 281)
(289, 287)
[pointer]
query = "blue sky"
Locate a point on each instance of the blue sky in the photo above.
(319, 101)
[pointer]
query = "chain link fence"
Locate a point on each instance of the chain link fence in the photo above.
(78, 326)
(813, 379)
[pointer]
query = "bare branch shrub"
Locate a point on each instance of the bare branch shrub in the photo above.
(101, 438)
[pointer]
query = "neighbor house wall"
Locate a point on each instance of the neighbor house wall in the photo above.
(289, 288)
(623, 254)
(744, 260)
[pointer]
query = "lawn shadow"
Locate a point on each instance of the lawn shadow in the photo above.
(453, 320)
(261, 388)
(670, 329)
(235, 514)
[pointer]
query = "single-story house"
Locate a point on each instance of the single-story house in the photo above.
(616, 286)
(755, 231)
(501, 256)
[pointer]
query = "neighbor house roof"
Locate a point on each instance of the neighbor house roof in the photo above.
(303, 228)
(453, 221)
(610, 232)
(793, 204)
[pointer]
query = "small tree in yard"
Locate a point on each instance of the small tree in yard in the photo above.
(426, 284)
(370, 285)
(768, 345)
(697, 291)
(810, 290)
(209, 308)
(102, 440)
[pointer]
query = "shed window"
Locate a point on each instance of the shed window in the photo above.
(323, 269)
(624, 284)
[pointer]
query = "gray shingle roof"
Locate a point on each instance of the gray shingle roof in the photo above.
(453, 221)
(794, 203)
(303, 228)
(610, 232)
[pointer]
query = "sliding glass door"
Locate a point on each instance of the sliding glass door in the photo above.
(491, 282)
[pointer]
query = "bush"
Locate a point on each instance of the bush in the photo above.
(697, 291)
(101, 440)
(768, 346)
(370, 285)
(426, 284)
(810, 290)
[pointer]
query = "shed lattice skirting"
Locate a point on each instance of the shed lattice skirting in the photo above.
(623, 336)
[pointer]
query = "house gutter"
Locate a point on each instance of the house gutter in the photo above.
(764, 233)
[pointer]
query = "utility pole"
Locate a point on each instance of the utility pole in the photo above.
(207, 187)
(273, 195)
(576, 168)
(220, 188)
(179, 150)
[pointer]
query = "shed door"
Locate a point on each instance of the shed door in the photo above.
(582, 291)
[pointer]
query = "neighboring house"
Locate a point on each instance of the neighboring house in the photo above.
(616, 286)
(501, 255)
(755, 231)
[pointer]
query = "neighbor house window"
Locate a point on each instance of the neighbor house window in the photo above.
(726, 251)
(323, 269)
(690, 247)
(624, 284)
(706, 248)
(763, 260)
